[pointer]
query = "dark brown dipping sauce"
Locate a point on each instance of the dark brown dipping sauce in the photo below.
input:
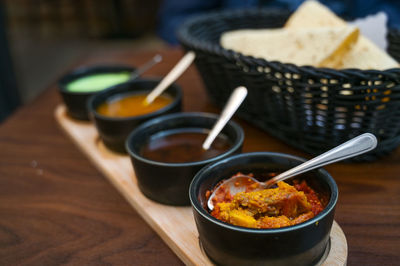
(183, 147)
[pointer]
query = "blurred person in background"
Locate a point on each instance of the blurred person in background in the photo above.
(173, 13)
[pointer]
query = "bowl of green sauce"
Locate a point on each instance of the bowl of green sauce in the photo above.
(77, 86)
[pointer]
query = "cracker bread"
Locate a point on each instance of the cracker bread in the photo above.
(312, 14)
(364, 55)
(317, 46)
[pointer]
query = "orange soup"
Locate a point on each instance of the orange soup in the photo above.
(132, 105)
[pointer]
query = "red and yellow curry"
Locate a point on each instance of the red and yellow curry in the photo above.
(282, 206)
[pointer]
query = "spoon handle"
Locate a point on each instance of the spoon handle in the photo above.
(351, 148)
(234, 101)
(174, 74)
(139, 71)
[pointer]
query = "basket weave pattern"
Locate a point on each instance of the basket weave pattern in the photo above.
(313, 109)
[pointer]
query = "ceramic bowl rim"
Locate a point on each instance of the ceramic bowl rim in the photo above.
(200, 210)
(236, 145)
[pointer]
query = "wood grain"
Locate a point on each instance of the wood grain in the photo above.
(57, 208)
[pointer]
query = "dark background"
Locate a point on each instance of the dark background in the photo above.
(41, 39)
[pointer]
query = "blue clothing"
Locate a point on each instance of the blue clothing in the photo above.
(174, 12)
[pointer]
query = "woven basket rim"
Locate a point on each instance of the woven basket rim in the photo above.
(191, 41)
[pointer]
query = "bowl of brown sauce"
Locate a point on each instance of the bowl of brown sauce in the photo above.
(288, 224)
(166, 153)
(120, 109)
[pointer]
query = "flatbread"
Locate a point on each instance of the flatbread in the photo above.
(317, 46)
(312, 14)
(364, 55)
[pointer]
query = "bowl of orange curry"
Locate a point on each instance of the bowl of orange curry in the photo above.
(120, 109)
(287, 224)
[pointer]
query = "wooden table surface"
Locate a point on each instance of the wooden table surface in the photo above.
(56, 208)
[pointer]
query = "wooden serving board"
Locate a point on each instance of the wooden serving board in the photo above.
(175, 225)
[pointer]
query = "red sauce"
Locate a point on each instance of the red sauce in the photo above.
(311, 195)
(282, 206)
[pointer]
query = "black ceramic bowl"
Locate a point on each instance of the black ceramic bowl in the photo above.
(76, 102)
(168, 183)
(301, 244)
(114, 130)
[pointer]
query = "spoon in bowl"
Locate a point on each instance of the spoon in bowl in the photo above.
(149, 64)
(356, 146)
(233, 103)
(173, 75)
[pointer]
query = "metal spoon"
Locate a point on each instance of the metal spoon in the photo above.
(173, 75)
(356, 146)
(139, 71)
(233, 103)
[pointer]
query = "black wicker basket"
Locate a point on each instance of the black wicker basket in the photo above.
(310, 108)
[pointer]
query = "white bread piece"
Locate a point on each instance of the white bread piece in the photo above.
(317, 47)
(312, 14)
(364, 55)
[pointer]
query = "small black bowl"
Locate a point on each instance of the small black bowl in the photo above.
(76, 102)
(168, 183)
(114, 130)
(301, 244)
